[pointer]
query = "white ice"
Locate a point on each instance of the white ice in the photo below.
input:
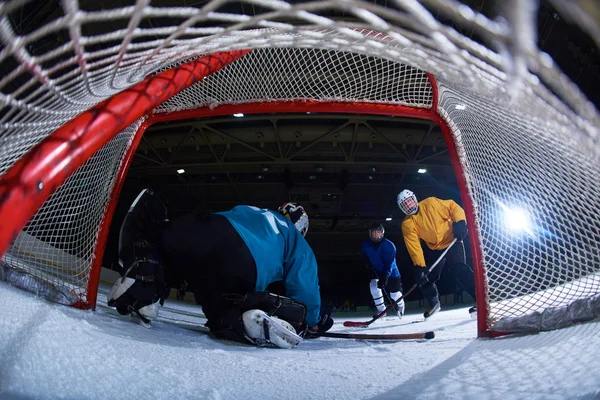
(49, 351)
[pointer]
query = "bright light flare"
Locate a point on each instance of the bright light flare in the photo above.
(517, 220)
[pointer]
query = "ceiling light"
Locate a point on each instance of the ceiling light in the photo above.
(238, 115)
(180, 171)
(388, 219)
(422, 170)
(460, 107)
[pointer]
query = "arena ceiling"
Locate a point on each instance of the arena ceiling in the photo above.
(345, 169)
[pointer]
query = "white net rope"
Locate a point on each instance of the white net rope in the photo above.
(266, 75)
(516, 164)
(519, 110)
(57, 245)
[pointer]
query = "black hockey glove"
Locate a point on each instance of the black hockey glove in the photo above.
(383, 280)
(324, 324)
(421, 276)
(459, 229)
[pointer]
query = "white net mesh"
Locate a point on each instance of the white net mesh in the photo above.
(307, 74)
(58, 243)
(543, 160)
(514, 162)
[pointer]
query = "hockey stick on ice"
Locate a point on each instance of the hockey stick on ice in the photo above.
(364, 324)
(378, 336)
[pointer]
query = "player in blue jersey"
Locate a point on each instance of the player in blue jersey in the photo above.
(380, 256)
(229, 258)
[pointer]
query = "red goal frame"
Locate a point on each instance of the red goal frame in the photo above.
(32, 179)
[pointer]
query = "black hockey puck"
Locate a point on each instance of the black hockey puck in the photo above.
(429, 335)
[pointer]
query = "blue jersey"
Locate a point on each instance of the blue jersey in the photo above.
(382, 256)
(280, 253)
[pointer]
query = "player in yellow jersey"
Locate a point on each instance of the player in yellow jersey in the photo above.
(437, 222)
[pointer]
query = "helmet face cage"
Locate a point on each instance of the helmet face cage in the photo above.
(407, 202)
(376, 233)
(297, 215)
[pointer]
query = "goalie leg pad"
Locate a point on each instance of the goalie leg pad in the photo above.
(263, 330)
(231, 325)
(277, 306)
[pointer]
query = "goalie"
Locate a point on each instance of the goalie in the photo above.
(229, 258)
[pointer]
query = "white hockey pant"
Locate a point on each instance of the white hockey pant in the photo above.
(379, 300)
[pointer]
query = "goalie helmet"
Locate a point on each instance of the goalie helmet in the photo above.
(376, 232)
(407, 201)
(295, 213)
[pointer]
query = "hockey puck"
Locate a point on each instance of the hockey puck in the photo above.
(429, 335)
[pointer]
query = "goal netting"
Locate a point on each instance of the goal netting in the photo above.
(79, 90)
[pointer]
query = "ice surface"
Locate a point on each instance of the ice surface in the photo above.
(52, 351)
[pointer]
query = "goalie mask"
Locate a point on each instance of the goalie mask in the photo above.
(376, 233)
(407, 202)
(295, 213)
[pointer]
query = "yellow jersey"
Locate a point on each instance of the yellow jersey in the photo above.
(432, 223)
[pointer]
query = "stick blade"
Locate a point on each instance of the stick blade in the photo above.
(355, 324)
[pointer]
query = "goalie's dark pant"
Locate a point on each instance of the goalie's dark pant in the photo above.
(210, 254)
(456, 261)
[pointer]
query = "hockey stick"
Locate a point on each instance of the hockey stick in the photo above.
(392, 302)
(363, 324)
(378, 336)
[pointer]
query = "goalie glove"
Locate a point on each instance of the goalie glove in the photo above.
(325, 323)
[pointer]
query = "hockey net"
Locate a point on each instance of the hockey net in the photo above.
(522, 137)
